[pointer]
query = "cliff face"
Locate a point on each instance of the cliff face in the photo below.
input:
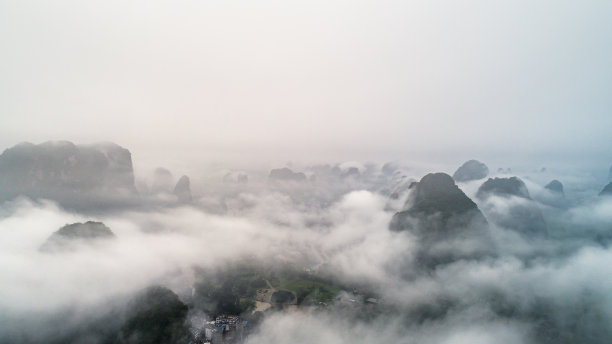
(441, 216)
(607, 190)
(439, 205)
(61, 170)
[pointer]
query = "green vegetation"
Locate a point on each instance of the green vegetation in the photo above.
(247, 304)
(282, 297)
(77, 232)
(307, 288)
(155, 316)
(233, 291)
(217, 299)
(228, 292)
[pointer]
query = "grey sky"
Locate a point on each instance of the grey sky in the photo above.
(332, 79)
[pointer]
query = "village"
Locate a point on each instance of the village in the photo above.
(224, 329)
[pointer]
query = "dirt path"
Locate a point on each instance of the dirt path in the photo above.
(265, 294)
(261, 306)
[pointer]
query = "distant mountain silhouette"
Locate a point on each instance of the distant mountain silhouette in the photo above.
(182, 190)
(471, 170)
(286, 174)
(162, 181)
(523, 216)
(555, 186)
(68, 173)
(505, 187)
(236, 177)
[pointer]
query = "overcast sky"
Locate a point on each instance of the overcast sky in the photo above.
(282, 79)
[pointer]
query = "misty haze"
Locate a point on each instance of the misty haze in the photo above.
(257, 172)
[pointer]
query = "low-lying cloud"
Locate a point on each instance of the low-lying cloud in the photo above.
(551, 289)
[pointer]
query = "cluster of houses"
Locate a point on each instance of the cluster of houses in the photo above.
(225, 329)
